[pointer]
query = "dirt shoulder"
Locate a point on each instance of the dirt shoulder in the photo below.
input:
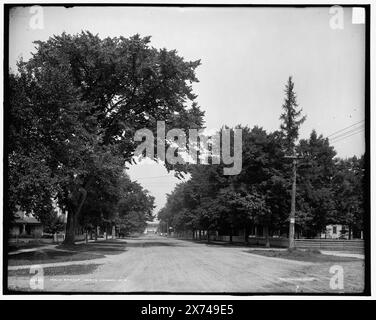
(302, 255)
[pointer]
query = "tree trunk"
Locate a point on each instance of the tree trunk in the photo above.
(70, 228)
(113, 232)
(208, 235)
(231, 235)
(73, 216)
(246, 232)
(266, 234)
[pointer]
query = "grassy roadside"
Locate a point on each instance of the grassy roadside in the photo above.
(78, 252)
(302, 255)
(75, 269)
(49, 256)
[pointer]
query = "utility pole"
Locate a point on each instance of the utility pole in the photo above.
(293, 196)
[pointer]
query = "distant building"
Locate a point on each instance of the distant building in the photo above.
(26, 225)
(152, 227)
(336, 231)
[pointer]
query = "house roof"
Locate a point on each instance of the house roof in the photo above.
(26, 220)
(152, 223)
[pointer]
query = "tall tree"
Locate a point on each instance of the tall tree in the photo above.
(83, 98)
(290, 128)
(134, 208)
(212, 201)
(315, 196)
(348, 188)
(291, 117)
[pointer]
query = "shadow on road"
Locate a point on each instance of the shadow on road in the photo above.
(152, 243)
(101, 247)
(223, 243)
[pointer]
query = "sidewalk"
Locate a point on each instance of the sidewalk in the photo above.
(343, 254)
(49, 247)
(57, 264)
(231, 244)
(259, 247)
(60, 264)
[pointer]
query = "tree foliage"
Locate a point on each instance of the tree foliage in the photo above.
(329, 190)
(74, 108)
(291, 117)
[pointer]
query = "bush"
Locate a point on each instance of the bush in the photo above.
(309, 250)
(313, 251)
(26, 236)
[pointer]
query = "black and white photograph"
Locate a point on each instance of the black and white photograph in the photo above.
(186, 149)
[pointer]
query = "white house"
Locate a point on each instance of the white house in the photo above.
(336, 231)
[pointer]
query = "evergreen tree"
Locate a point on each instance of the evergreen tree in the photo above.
(291, 118)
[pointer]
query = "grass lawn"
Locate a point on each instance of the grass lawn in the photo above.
(302, 255)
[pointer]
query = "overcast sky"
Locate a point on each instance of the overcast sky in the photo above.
(247, 55)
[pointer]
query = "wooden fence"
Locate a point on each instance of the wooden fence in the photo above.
(356, 245)
(331, 244)
(320, 244)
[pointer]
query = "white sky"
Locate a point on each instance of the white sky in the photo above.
(247, 55)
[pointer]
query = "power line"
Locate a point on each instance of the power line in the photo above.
(345, 137)
(345, 128)
(361, 127)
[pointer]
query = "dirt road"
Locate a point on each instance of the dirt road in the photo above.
(158, 264)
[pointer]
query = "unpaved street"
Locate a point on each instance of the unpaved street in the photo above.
(158, 264)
